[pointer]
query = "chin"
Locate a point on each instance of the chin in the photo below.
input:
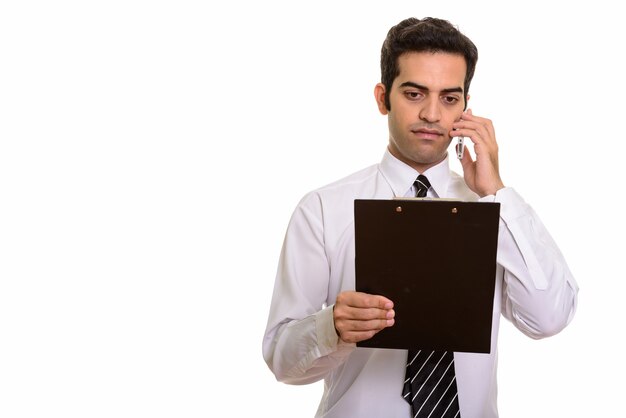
(429, 158)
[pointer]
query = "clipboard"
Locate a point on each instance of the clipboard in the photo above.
(436, 260)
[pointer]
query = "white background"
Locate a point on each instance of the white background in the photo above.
(152, 153)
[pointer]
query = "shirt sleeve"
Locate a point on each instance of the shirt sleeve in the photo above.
(539, 293)
(300, 344)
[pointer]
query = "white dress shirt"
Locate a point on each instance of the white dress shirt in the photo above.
(534, 290)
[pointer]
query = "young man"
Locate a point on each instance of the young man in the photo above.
(316, 317)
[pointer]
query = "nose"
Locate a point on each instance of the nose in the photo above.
(430, 112)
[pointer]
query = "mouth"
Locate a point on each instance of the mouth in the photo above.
(424, 133)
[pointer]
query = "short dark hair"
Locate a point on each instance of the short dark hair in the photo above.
(426, 35)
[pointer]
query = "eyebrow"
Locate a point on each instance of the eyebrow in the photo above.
(420, 87)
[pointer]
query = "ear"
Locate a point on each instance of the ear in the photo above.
(466, 102)
(379, 95)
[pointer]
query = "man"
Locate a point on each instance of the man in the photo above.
(316, 317)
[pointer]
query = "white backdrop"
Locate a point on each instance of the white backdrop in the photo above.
(152, 153)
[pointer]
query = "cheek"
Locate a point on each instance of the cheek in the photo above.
(397, 128)
(402, 117)
(447, 124)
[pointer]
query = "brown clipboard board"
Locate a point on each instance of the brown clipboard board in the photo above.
(436, 260)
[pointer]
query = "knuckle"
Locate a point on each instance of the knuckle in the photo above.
(341, 299)
(338, 313)
(368, 300)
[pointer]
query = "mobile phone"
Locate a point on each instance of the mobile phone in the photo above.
(460, 147)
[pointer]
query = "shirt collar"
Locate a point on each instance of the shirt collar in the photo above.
(401, 176)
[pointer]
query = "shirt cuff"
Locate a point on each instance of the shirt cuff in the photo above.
(512, 205)
(327, 338)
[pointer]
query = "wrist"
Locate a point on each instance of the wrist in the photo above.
(492, 190)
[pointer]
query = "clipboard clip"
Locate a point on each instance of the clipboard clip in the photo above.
(453, 210)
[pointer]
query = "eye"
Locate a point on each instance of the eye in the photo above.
(450, 99)
(413, 95)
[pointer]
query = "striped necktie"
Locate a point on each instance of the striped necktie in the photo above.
(430, 382)
(421, 185)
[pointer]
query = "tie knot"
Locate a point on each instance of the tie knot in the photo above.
(421, 185)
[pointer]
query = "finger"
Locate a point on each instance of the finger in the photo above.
(486, 124)
(364, 300)
(467, 132)
(482, 125)
(342, 310)
(348, 332)
(365, 314)
(371, 325)
(478, 134)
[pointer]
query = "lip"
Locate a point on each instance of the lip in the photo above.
(427, 133)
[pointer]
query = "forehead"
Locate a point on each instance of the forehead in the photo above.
(432, 69)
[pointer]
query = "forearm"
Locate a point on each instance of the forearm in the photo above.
(300, 344)
(306, 350)
(539, 291)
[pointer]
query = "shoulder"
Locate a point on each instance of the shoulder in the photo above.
(342, 192)
(348, 185)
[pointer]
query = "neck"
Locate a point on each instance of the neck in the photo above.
(419, 166)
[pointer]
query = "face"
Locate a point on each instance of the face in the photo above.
(426, 98)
